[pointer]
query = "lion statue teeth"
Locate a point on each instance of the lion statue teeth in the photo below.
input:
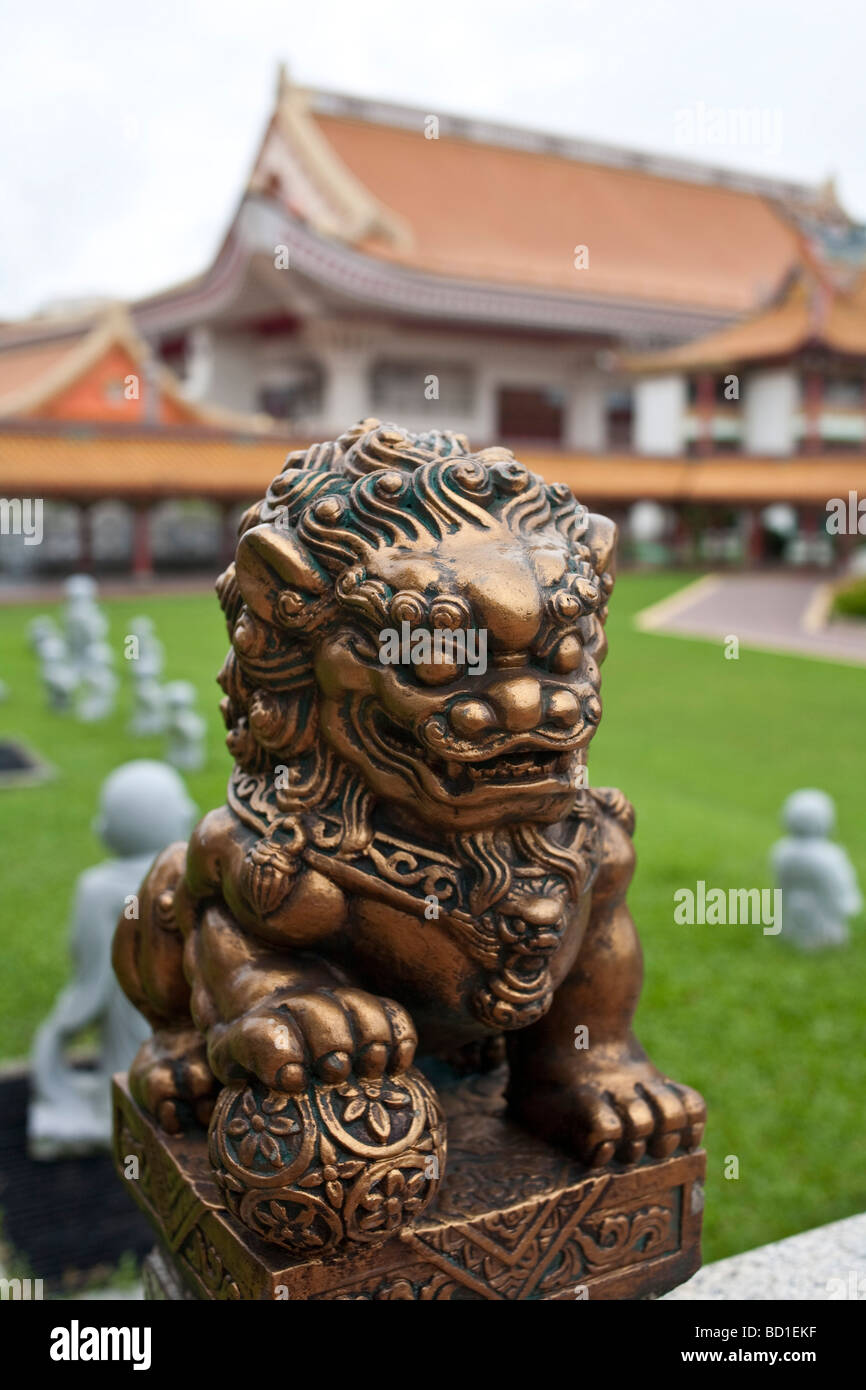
(409, 854)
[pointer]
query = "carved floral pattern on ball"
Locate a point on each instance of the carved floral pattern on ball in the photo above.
(350, 1162)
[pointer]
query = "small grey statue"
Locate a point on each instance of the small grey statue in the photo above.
(146, 657)
(39, 629)
(59, 676)
(150, 653)
(84, 622)
(818, 881)
(148, 714)
(144, 806)
(185, 727)
(97, 687)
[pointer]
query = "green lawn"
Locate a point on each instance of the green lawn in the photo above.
(707, 749)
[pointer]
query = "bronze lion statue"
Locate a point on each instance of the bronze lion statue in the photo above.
(409, 856)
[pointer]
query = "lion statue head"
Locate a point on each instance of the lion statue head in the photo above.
(387, 532)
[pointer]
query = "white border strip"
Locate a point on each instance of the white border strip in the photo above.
(651, 618)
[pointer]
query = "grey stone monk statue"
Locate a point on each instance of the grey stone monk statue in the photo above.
(144, 806)
(59, 675)
(146, 663)
(97, 686)
(185, 727)
(84, 622)
(817, 879)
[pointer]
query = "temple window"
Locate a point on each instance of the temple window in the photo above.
(412, 386)
(292, 392)
(844, 392)
(531, 413)
(619, 413)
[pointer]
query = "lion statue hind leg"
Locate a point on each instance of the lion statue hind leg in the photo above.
(170, 1076)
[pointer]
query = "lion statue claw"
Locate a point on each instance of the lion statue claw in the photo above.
(409, 855)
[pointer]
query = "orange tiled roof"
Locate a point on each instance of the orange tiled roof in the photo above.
(622, 478)
(811, 310)
(844, 327)
(483, 211)
(25, 365)
(78, 373)
(139, 464)
(158, 465)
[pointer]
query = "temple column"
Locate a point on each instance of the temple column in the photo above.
(754, 536)
(843, 548)
(808, 521)
(585, 423)
(85, 538)
(199, 365)
(228, 532)
(705, 406)
(345, 353)
(142, 556)
(680, 538)
(813, 397)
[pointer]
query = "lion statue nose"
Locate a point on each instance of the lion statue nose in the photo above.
(517, 703)
(469, 718)
(516, 706)
(563, 708)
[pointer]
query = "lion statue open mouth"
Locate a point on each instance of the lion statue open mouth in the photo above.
(409, 852)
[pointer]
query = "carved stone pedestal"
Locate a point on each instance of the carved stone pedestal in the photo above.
(514, 1218)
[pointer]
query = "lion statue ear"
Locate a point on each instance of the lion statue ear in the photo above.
(271, 560)
(600, 537)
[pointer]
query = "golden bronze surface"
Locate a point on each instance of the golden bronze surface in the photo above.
(409, 857)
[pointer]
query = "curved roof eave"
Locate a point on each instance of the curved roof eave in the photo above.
(365, 281)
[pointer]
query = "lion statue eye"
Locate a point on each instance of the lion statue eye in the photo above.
(365, 646)
(407, 606)
(566, 655)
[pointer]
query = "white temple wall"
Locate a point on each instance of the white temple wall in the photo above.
(659, 411)
(233, 382)
(426, 380)
(586, 413)
(771, 401)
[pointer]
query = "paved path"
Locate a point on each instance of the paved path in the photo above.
(777, 612)
(110, 586)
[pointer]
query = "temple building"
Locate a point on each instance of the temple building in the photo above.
(99, 371)
(790, 379)
(405, 264)
(94, 424)
(582, 303)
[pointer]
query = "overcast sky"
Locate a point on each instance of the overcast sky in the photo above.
(128, 130)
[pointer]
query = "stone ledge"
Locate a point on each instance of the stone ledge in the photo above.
(824, 1264)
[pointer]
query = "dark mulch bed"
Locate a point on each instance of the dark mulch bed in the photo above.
(68, 1222)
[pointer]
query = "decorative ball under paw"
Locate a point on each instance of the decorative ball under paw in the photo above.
(352, 1162)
